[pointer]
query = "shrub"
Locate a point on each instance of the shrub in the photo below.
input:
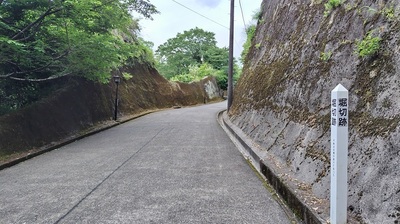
(196, 73)
(368, 46)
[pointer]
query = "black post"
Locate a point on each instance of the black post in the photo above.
(117, 80)
(230, 69)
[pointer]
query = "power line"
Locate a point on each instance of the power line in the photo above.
(236, 43)
(200, 14)
(241, 10)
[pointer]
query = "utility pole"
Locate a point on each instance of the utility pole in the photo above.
(230, 69)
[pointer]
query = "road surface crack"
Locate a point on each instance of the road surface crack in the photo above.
(107, 177)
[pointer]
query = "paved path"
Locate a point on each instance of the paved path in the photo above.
(175, 166)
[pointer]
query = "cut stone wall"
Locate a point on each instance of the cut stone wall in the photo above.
(282, 100)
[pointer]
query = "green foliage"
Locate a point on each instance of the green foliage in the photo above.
(126, 75)
(251, 31)
(143, 53)
(183, 78)
(196, 73)
(192, 55)
(348, 7)
(389, 13)
(189, 48)
(222, 77)
(16, 94)
(257, 15)
(11, 102)
(217, 57)
(330, 5)
(368, 46)
(44, 40)
(222, 80)
(326, 56)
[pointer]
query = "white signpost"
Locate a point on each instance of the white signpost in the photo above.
(339, 149)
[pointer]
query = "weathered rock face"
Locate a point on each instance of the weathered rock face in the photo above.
(82, 104)
(282, 100)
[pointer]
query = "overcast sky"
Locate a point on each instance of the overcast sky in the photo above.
(175, 17)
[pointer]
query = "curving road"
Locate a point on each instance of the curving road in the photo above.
(174, 166)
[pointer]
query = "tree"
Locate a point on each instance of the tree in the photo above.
(193, 54)
(42, 40)
(193, 47)
(45, 40)
(217, 57)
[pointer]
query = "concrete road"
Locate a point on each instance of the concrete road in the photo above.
(175, 166)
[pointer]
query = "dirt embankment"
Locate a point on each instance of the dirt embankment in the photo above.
(301, 51)
(83, 104)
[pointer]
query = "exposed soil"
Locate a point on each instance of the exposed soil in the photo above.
(83, 105)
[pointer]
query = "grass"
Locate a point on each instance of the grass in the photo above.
(389, 13)
(330, 5)
(326, 56)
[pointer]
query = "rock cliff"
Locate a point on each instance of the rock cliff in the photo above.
(82, 104)
(303, 49)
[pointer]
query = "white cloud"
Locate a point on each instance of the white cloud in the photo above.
(209, 3)
(175, 18)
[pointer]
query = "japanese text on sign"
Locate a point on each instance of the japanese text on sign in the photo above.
(340, 112)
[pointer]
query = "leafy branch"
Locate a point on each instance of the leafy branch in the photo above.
(89, 31)
(50, 11)
(14, 75)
